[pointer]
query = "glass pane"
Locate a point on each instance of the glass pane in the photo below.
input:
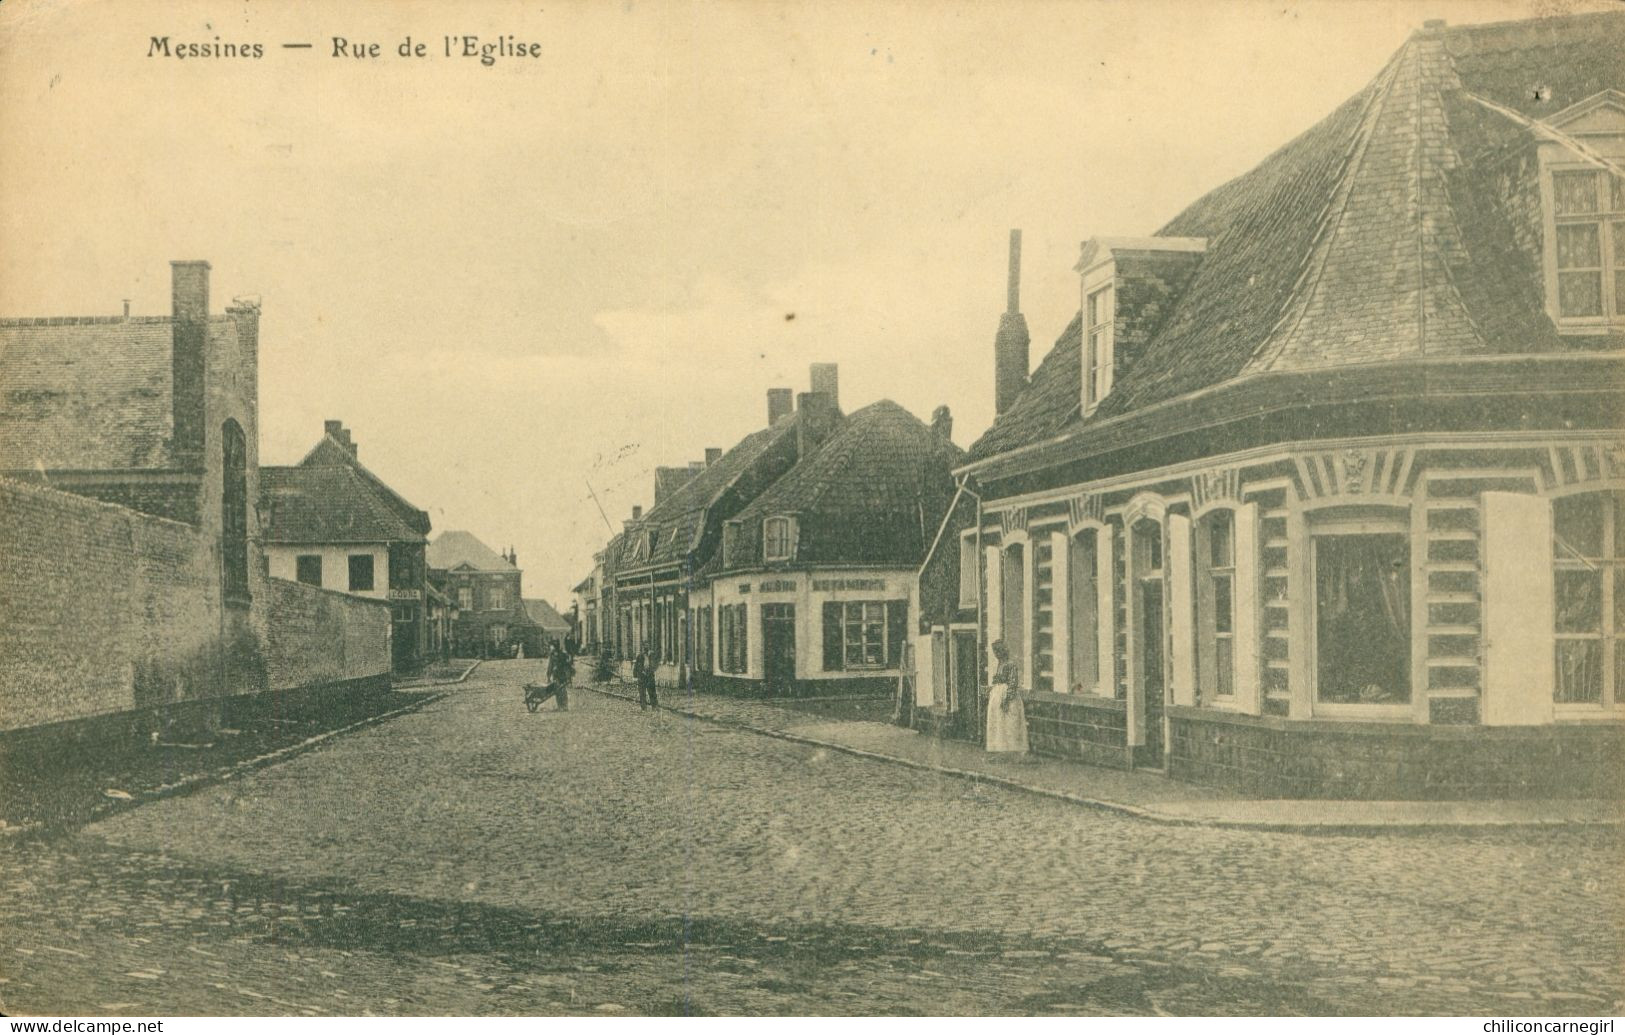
(1617, 232)
(854, 653)
(1579, 294)
(1222, 601)
(1579, 247)
(1619, 289)
(1219, 545)
(871, 654)
(1362, 618)
(1618, 499)
(1574, 192)
(1618, 193)
(1224, 667)
(1577, 525)
(1579, 601)
(1579, 672)
(1619, 604)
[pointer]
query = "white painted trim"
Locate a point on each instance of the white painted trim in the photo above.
(1060, 561)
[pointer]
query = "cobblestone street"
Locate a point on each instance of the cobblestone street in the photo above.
(472, 858)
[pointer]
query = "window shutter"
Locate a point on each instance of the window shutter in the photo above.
(1244, 636)
(1519, 610)
(744, 638)
(993, 615)
(1060, 622)
(1182, 650)
(896, 632)
(1106, 612)
(833, 660)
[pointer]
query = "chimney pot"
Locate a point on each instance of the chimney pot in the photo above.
(780, 403)
(637, 513)
(942, 424)
(126, 308)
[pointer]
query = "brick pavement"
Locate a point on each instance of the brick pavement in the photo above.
(888, 889)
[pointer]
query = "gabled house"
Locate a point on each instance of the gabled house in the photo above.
(484, 586)
(547, 627)
(1322, 492)
(811, 591)
(333, 524)
(653, 563)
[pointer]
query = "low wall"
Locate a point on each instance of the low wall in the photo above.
(1280, 758)
(1087, 729)
(315, 636)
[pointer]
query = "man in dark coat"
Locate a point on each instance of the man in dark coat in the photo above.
(643, 670)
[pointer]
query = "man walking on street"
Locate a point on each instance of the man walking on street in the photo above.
(643, 670)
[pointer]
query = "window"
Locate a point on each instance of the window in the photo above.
(307, 568)
(1097, 347)
(730, 534)
(1216, 602)
(776, 539)
(360, 572)
(234, 512)
(1084, 599)
(731, 626)
(1362, 614)
(969, 575)
(405, 566)
(1588, 541)
(866, 634)
(496, 598)
(465, 598)
(1588, 215)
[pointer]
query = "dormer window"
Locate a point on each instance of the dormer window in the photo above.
(1099, 316)
(777, 541)
(1584, 200)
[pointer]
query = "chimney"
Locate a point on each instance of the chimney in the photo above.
(815, 421)
(825, 379)
(1010, 347)
(189, 295)
(712, 455)
(637, 513)
(779, 404)
(126, 308)
(942, 425)
(513, 557)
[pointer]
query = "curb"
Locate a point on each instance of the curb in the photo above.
(1120, 808)
(198, 781)
(442, 682)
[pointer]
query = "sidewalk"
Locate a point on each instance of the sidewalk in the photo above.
(440, 674)
(1145, 796)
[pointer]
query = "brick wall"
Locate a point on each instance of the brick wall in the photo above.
(108, 610)
(1075, 726)
(321, 636)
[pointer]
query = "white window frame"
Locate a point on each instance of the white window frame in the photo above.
(970, 570)
(1326, 523)
(1099, 320)
(788, 526)
(1208, 635)
(863, 622)
(1611, 699)
(1590, 126)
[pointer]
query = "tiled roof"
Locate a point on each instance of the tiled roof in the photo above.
(90, 393)
(677, 523)
(873, 493)
(328, 505)
(449, 549)
(329, 453)
(1382, 233)
(543, 614)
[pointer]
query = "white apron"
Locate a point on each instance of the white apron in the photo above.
(1006, 727)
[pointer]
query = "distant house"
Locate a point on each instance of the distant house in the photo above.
(485, 587)
(1322, 492)
(811, 591)
(547, 626)
(335, 525)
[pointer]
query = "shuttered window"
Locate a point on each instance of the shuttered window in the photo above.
(865, 634)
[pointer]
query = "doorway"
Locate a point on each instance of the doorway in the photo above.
(962, 699)
(779, 649)
(1147, 660)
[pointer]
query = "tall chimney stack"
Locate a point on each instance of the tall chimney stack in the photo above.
(825, 379)
(189, 297)
(780, 403)
(1010, 346)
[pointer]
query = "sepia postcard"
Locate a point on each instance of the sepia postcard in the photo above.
(774, 508)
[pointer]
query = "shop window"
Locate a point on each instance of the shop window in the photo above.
(234, 512)
(360, 572)
(307, 568)
(1362, 613)
(864, 634)
(1216, 601)
(776, 538)
(1588, 540)
(1083, 597)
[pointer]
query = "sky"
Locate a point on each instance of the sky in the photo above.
(524, 285)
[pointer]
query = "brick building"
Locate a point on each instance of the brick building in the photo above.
(1322, 491)
(334, 524)
(484, 587)
(132, 551)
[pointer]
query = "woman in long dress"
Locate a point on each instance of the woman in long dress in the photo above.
(1006, 717)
